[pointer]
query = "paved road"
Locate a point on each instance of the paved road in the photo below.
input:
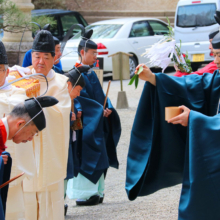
(162, 205)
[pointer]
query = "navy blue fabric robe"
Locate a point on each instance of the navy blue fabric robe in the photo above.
(73, 163)
(57, 69)
(6, 177)
(100, 135)
(162, 155)
(5, 172)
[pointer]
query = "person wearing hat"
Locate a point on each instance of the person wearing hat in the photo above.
(101, 132)
(27, 61)
(209, 68)
(10, 96)
(23, 122)
(75, 84)
(164, 154)
(43, 194)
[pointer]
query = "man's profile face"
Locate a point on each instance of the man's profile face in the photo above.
(89, 57)
(42, 62)
(216, 54)
(57, 53)
(25, 134)
(74, 92)
(3, 74)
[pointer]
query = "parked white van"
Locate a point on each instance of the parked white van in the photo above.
(194, 20)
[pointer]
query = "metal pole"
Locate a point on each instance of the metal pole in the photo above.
(120, 63)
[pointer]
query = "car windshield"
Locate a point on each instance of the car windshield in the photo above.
(105, 31)
(67, 21)
(196, 15)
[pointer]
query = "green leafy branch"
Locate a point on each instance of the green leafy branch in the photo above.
(135, 78)
(16, 21)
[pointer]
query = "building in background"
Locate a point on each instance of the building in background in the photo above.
(95, 10)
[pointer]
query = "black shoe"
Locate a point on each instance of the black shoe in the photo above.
(93, 200)
(65, 209)
(101, 199)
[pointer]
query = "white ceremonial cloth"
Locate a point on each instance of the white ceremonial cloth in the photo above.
(22, 154)
(22, 70)
(51, 145)
(51, 154)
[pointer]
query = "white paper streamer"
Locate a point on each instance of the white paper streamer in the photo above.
(161, 53)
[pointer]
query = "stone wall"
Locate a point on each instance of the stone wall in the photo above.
(146, 5)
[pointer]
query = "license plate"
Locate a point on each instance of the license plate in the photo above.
(198, 57)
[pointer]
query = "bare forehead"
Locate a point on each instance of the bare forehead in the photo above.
(216, 51)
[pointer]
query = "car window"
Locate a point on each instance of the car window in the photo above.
(196, 15)
(141, 29)
(83, 20)
(54, 29)
(158, 27)
(104, 31)
(67, 21)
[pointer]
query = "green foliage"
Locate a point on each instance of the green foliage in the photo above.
(171, 33)
(135, 78)
(49, 4)
(43, 20)
(16, 21)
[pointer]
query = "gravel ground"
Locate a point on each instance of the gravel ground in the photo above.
(162, 205)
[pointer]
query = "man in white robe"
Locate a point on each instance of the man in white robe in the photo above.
(43, 194)
(9, 97)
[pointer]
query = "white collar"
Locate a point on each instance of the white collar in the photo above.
(5, 122)
(50, 74)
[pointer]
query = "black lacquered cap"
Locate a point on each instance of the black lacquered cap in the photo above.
(86, 42)
(3, 55)
(44, 42)
(213, 33)
(216, 41)
(56, 40)
(34, 107)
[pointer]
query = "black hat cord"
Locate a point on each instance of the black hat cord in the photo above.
(31, 118)
(77, 79)
(85, 47)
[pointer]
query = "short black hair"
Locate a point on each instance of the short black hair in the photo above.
(82, 48)
(73, 76)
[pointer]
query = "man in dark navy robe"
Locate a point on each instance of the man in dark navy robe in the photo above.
(100, 135)
(75, 84)
(186, 149)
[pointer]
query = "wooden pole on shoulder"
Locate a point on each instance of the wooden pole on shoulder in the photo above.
(106, 96)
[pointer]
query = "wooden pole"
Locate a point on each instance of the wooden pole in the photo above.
(120, 70)
(11, 180)
(106, 96)
(72, 106)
